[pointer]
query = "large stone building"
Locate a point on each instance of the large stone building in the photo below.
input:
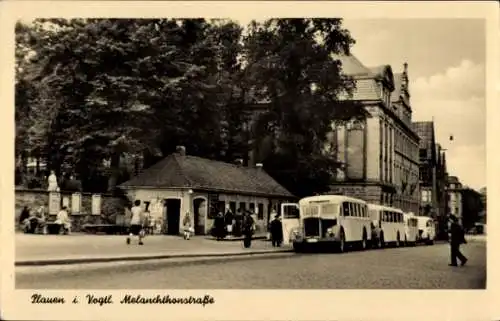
(379, 154)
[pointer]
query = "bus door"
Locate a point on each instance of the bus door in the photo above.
(290, 220)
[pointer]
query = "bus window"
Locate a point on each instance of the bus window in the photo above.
(290, 212)
(391, 217)
(329, 209)
(345, 208)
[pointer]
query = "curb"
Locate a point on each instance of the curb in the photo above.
(144, 258)
(237, 239)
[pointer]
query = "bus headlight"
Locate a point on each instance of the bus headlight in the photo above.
(329, 232)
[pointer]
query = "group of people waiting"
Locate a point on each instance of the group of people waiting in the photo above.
(31, 221)
(230, 224)
(243, 223)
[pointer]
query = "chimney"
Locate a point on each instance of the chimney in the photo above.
(259, 165)
(238, 161)
(181, 150)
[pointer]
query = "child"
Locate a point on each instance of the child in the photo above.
(187, 226)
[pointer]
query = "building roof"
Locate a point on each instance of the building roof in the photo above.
(366, 86)
(179, 171)
(352, 66)
(425, 130)
(398, 81)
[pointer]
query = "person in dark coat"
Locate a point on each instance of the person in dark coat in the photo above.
(219, 226)
(276, 231)
(248, 228)
(24, 215)
(457, 237)
(228, 221)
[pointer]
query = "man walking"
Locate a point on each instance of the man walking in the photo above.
(248, 229)
(276, 231)
(136, 222)
(457, 238)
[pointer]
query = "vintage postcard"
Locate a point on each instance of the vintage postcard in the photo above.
(200, 160)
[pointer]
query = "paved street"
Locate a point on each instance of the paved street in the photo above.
(423, 267)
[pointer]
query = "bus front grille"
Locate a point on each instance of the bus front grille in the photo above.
(311, 227)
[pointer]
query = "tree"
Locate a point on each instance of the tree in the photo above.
(292, 71)
(112, 86)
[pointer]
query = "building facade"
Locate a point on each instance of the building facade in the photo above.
(454, 197)
(379, 155)
(180, 184)
(465, 203)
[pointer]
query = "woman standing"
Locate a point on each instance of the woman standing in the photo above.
(187, 226)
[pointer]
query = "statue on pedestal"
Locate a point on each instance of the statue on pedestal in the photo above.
(52, 180)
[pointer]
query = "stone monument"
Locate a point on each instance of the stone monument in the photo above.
(52, 180)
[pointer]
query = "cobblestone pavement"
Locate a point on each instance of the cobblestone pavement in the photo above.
(422, 267)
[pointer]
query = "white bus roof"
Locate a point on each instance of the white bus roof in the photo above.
(331, 198)
(382, 207)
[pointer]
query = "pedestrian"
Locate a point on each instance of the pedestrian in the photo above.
(228, 221)
(248, 228)
(25, 213)
(187, 226)
(63, 220)
(147, 221)
(219, 226)
(136, 222)
(457, 237)
(276, 231)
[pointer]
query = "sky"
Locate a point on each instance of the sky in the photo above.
(446, 67)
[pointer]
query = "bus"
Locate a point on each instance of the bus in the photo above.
(411, 229)
(332, 219)
(388, 226)
(426, 230)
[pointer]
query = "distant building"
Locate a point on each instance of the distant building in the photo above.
(454, 191)
(432, 175)
(465, 203)
(380, 154)
(181, 183)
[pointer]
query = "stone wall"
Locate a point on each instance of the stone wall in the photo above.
(110, 206)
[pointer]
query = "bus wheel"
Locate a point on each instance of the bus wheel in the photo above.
(398, 243)
(364, 242)
(298, 248)
(381, 241)
(342, 245)
(406, 241)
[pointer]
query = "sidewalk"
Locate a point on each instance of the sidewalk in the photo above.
(84, 248)
(475, 237)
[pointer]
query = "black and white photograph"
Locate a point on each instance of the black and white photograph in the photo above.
(249, 152)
